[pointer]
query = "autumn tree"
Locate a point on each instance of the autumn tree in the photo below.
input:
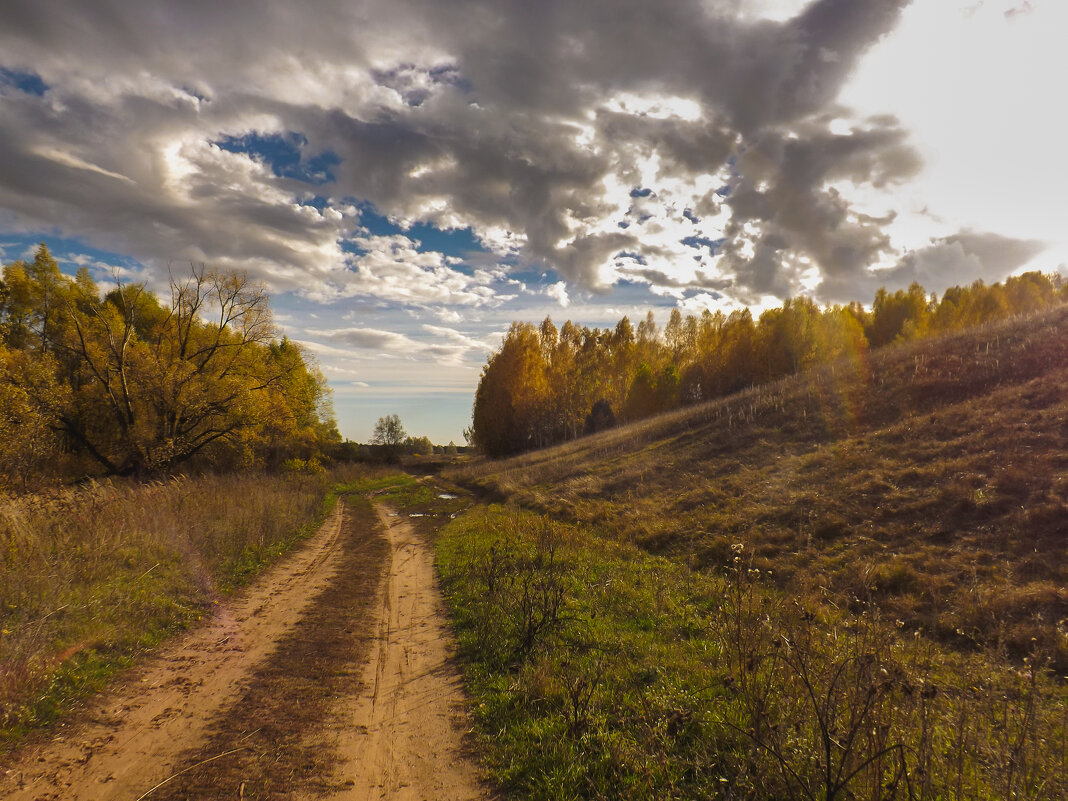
(156, 385)
(545, 385)
(600, 418)
(898, 315)
(624, 350)
(508, 414)
(30, 396)
(33, 301)
(641, 399)
(555, 356)
(667, 388)
(299, 420)
(675, 335)
(388, 431)
(566, 382)
(418, 446)
(595, 382)
(732, 366)
(144, 386)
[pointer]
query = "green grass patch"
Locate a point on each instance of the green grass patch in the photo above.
(378, 482)
(598, 670)
(425, 502)
(410, 494)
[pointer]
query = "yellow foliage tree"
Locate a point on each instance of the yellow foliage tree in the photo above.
(143, 386)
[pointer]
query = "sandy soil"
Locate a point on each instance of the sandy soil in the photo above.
(325, 679)
(400, 739)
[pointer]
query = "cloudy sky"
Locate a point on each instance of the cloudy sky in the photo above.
(409, 176)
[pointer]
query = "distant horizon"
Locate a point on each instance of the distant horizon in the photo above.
(408, 180)
(424, 408)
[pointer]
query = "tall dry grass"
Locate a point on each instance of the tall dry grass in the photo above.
(931, 479)
(93, 575)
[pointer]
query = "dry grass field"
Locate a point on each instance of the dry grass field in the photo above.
(91, 577)
(848, 584)
(930, 479)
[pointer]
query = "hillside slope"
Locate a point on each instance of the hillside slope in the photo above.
(930, 478)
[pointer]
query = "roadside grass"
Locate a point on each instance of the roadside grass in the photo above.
(930, 480)
(92, 577)
(598, 670)
(381, 481)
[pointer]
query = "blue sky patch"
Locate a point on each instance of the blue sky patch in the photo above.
(535, 275)
(317, 202)
(351, 246)
(703, 241)
(284, 154)
(451, 242)
(635, 257)
(24, 81)
(65, 250)
(458, 242)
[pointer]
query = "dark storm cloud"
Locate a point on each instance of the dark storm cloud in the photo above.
(964, 257)
(516, 174)
(685, 147)
(557, 56)
(819, 49)
(661, 279)
(92, 169)
(953, 260)
(783, 201)
(493, 115)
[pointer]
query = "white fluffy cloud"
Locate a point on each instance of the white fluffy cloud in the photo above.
(534, 129)
(393, 268)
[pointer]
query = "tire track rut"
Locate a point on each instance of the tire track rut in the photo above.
(331, 677)
(135, 735)
(406, 742)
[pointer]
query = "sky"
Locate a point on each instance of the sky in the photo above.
(407, 177)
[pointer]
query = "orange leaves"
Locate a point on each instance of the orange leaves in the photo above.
(542, 383)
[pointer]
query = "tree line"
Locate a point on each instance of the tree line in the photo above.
(390, 442)
(545, 385)
(123, 382)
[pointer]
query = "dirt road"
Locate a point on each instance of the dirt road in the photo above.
(329, 678)
(404, 744)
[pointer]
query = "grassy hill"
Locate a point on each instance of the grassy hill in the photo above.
(930, 480)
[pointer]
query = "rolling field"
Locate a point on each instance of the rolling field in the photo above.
(849, 584)
(931, 480)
